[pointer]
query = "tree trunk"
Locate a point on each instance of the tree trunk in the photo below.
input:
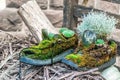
(35, 19)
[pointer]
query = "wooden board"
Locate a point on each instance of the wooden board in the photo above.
(35, 19)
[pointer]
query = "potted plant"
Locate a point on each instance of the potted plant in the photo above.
(51, 49)
(94, 49)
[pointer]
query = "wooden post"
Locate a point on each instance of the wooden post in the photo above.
(70, 21)
(35, 19)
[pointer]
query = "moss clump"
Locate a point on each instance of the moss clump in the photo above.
(63, 29)
(68, 33)
(99, 42)
(93, 55)
(50, 48)
(84, 60)
(112, 44)
(74, 57)
(45, 44)
(96, 49)
(112, 48)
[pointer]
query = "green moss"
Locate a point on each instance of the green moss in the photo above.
(113, 44)
(68, 33)
(74, 57)
(113, 47)
(99, 41)
(84, 60)
(45, 44)
(48, 48)
(93, 56)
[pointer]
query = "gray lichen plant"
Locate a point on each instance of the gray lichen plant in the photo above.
(98, 22)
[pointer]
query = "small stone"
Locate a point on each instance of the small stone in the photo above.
(10, 20)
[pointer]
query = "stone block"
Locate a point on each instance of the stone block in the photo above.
(108, 7)
(18, 3)
(10, 20)
(57, 3)
(15, 3)
(115, 35)
(55, 17)
(42, 3)
(117, 61)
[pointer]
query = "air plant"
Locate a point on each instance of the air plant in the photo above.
(99, 22)
(95, 49)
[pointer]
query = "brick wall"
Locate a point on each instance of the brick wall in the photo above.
(104, 5)
(58, 4)
(44, 4)
(55, 7)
